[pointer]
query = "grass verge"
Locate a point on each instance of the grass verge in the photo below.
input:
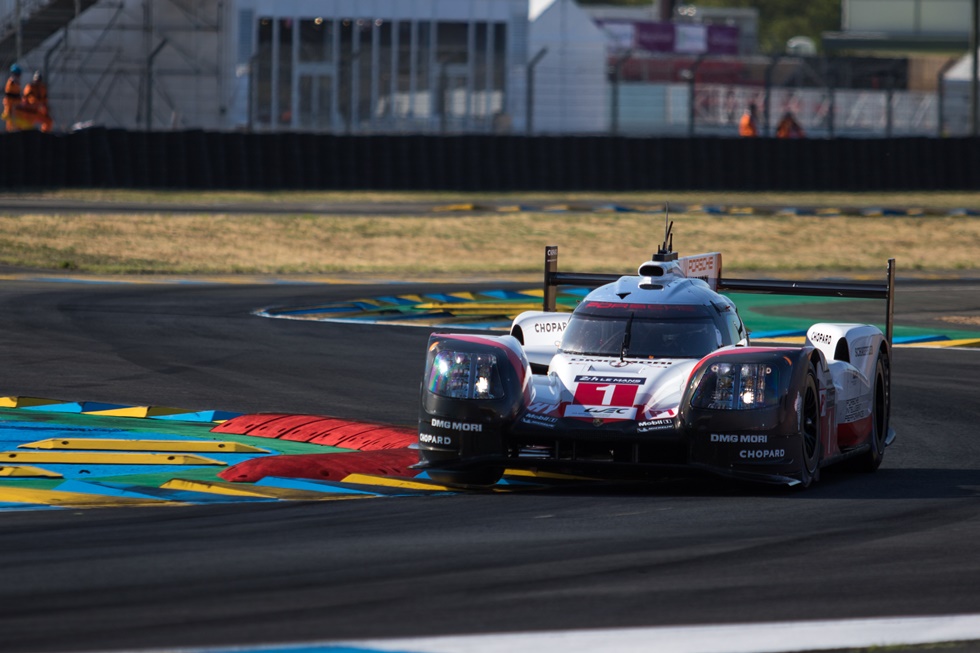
(478, 244)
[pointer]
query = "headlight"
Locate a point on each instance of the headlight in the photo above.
(737, 386)
(465, 375)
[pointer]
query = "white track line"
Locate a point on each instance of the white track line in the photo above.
(779, 637)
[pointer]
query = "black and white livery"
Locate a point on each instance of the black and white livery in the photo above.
(655, 372)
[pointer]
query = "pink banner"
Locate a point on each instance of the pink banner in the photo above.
(680, 38)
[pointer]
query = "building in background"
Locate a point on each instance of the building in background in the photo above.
(570, 90)
(343, 66)
(474, 66)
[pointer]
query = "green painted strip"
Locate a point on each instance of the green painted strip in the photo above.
(156, 479)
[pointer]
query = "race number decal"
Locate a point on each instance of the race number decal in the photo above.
(606, 390)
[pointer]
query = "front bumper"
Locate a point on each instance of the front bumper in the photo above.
(760, 445)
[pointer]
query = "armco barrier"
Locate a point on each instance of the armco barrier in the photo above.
(292, 161)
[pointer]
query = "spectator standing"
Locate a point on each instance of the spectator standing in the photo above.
(36, 101)
(748, 125)
(11, 97)
(788, 127)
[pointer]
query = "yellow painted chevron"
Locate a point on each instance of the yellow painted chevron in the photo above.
(538, 292)
(790, 340)
(969, 342)
(74, 499)
(95, 458)
(388, 481)
(27, 471)
(478, 308)
(246, 490)
(128, 411)
(531, 473)
(23, 402)
(138, 411)
(107, 444)
(468, 296)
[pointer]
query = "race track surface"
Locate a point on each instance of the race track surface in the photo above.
(901, 542)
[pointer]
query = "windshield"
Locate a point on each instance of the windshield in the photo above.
(689, 337)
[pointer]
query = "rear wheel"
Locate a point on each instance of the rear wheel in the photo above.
(880, 410)
(810, 432)
(480, 476)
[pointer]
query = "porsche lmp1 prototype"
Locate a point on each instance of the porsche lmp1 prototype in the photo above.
(655, 372)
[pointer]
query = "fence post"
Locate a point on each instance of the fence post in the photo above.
(617, 69)
(529, 90)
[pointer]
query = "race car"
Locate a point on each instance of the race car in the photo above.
(654, 373)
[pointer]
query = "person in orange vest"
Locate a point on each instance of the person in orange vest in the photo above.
(11, 97)
(748, 126)
(36, 101)
(789, 128)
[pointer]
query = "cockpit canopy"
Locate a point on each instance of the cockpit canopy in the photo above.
(645, 330)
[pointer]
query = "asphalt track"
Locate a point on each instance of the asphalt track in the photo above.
(902, 542)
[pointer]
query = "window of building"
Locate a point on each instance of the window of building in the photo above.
(349, 74)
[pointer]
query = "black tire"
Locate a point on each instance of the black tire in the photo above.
(481, 476)
(810, 444)
(880, 411)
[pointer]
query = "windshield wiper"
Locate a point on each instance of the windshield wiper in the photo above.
(626, 338)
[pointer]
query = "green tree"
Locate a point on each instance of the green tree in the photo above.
(781, 20)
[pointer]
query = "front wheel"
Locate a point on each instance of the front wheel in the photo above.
(481, 476)
(810, 432)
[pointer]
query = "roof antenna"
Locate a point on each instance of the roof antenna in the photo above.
(666, 252)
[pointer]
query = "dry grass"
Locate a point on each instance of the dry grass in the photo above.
(938, 200)
(476, 244)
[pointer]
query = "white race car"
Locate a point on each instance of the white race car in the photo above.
(655, 372)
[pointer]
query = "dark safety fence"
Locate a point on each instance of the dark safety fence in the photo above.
(100, 158)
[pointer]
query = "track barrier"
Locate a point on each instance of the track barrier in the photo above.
(200, 160)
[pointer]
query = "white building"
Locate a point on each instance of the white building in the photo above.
(341, 66)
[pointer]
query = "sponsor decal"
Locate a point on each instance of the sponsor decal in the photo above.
(739, 439)
(600, 412)
(601, 306)
(428, 438)
(863, 351)
(621, 380)
(822, 338)
(534, 419)
(654, 425)
(608, 361)
(854, 409)
(649, 413)
(548, 409)
(457, 426)
(761, 454)
(700, 264)
(620, 363)
(549, 327)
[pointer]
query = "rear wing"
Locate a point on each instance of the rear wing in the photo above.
(708, 267)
